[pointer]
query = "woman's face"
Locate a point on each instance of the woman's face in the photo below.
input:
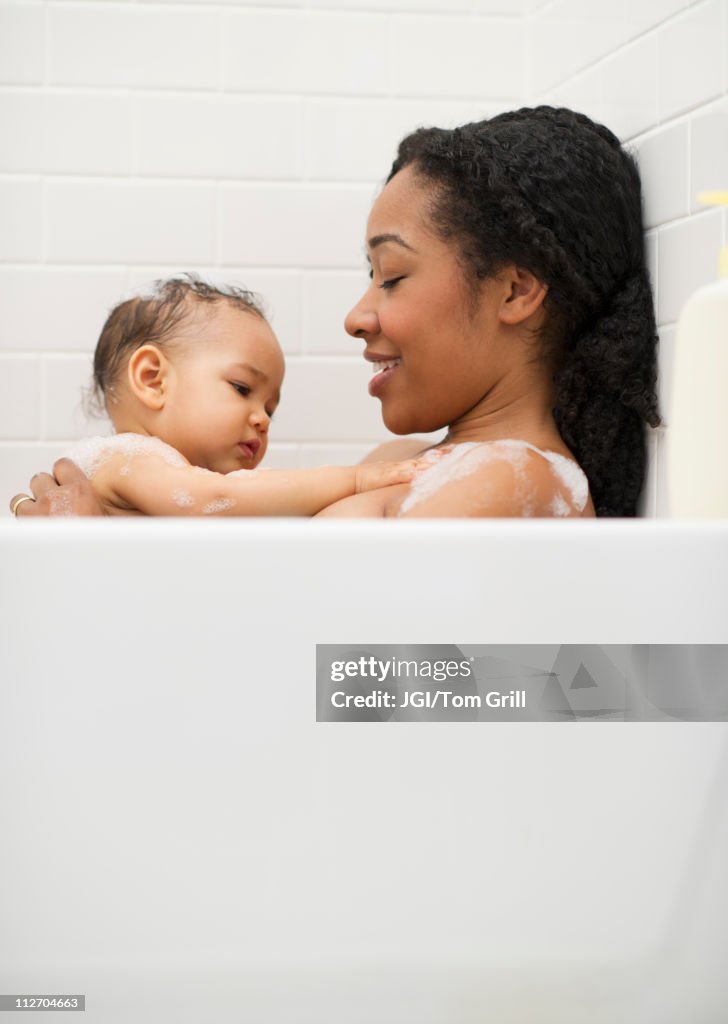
(435, 347)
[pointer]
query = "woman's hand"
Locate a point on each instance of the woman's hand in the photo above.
(66, 493)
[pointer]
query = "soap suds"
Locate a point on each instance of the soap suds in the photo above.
(183, 499)
(560, 507)
(464, 459)
(92, 453)
(457, 464)
(572, 477)
(220, 505)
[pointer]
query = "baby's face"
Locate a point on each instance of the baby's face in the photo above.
(223, 387)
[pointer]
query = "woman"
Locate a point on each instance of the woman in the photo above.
(510, 303)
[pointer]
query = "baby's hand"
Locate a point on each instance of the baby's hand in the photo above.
(372, 475)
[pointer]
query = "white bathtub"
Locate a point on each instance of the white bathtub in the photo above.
(183, 842)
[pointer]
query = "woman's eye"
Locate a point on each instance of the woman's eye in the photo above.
(391, 282)
(242, 389)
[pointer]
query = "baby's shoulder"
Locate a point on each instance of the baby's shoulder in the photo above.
(92, 454)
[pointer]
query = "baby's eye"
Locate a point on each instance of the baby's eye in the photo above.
(242, 389)
(391, 282)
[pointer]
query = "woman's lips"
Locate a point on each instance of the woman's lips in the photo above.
(249, 448)
(378, 381)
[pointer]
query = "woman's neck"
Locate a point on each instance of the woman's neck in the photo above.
(522, 410)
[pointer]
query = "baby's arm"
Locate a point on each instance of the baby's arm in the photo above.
(148, 484)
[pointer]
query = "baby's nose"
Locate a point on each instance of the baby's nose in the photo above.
(260, 419)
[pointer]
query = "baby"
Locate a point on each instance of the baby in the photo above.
(190, 378)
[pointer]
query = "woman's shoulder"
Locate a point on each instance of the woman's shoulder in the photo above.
(503, 478)
(91, 454)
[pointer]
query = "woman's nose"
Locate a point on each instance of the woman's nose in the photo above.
(362, 320)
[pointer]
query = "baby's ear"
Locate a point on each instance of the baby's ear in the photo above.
(147, 374)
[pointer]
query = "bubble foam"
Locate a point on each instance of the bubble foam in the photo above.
(182, 499)
(465, 459)
(219, 505)
(92, 453)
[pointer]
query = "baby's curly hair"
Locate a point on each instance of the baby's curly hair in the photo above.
(553, 192)
(152, 318)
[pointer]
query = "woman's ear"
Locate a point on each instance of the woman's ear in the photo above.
(523, 296)
(147, 374)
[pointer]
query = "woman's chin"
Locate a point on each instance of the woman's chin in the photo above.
(408, 421)
(395, 421)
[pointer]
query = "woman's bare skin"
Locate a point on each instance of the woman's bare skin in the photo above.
(387, 502)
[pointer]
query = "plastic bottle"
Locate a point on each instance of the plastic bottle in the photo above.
(697, 418)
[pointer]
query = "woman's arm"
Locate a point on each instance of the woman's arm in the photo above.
(148, 484)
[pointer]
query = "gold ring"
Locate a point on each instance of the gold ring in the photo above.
(16, 504)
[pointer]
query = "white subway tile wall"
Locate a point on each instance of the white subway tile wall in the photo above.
(304, 225)
(246, 140)
(667, 350)
(663, 158)
(691, 58)
(629, 81)
(22, 43)
(218, 137)
(21, 219)
(64, 385)
(121, 221)
(357, 141)
(56, 309)
(133, 46)
(708, 151)
(437, 57)
(334, 405)
(65, 133)
(701, 236)
(648, 499)
(20, 407)
(651, 254)
(328, 296)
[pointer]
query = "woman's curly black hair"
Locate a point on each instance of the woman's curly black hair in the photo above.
(554, 193)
